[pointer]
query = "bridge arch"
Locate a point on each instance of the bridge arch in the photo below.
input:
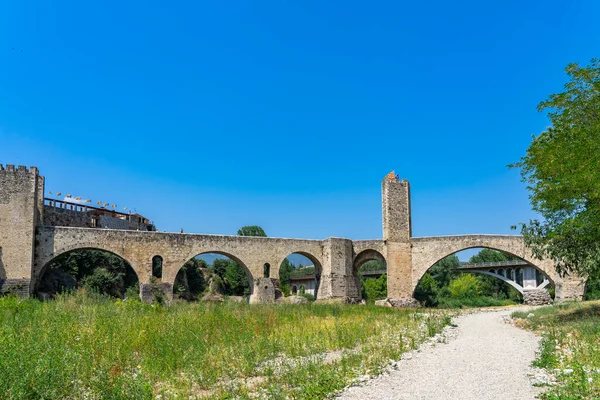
(428, 251)
(318, 271)
(175, 267)
(360, 259)
(65, 251)
(365, 256)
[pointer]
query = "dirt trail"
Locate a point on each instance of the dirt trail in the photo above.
(486, 359)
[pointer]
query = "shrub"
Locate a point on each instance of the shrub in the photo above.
(375, 289)
(465, 286)
(285, 289)
(103, 281)
(427, 291)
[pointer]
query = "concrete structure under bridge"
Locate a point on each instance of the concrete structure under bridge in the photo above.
(27, 247)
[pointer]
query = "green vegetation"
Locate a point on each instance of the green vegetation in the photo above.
(372, 289)
(445, 286)
(190, 282)
(561, 171)
(569, 348)
(92, 347)
(252, 230)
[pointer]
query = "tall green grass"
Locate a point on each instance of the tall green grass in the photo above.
(84, 347)
(570, 348)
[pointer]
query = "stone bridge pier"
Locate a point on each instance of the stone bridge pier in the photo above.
(27, 247)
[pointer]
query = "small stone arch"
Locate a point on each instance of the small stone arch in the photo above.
(316, 263)
(354, 289)
(367, 255)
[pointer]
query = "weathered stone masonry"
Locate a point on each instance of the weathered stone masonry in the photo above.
(27, 246)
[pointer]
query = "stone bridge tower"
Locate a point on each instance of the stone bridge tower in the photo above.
(397, 233)
(21, 211)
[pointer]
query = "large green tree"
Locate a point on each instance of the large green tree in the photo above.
(252, 230)
(562, 170)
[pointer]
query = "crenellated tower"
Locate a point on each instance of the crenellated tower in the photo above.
(21, 211)
(397, 233)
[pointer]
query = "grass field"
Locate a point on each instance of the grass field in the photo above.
(79, 347)
(570, 348)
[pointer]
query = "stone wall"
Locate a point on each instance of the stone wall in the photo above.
(54, 216)
(537, 297)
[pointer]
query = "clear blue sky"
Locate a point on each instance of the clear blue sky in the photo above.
(208, 116)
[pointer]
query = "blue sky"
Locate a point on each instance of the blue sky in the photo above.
(210, 116)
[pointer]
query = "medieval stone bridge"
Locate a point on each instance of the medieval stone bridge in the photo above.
(27, 246)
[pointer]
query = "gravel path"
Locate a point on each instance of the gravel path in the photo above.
(486, 358)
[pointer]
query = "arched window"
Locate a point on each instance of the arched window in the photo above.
(267, 270)
(157, 264)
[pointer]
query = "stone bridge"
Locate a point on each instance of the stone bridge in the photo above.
(26, 248)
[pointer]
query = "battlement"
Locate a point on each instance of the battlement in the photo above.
(19, 168)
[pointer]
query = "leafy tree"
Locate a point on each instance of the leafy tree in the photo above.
(285, 272)
(465, 286)
(103, 281)
(427, 291)
(236, 280)
(489, 255)
(445, 270)
(374, 289)
(190, 282)
(372, 265)
(561, 170)
(252, 230)
(232, 275)
(98, 270)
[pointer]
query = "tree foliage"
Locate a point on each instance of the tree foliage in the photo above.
(232, 277)
(563, 177)
(190, 282)
(252, 230)
(285, 272)
(374, 289)
(98, 271)
(466, 286)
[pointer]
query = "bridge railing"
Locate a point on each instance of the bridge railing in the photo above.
(510, 263)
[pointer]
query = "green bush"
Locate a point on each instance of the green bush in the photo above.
(285, 289)
(427, 291)
(374, 289)
(103, 281)
(466, 286)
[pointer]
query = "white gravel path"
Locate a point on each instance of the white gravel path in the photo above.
(486, 359)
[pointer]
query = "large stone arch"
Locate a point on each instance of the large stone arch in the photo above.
(49, 257)
(429, 250)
